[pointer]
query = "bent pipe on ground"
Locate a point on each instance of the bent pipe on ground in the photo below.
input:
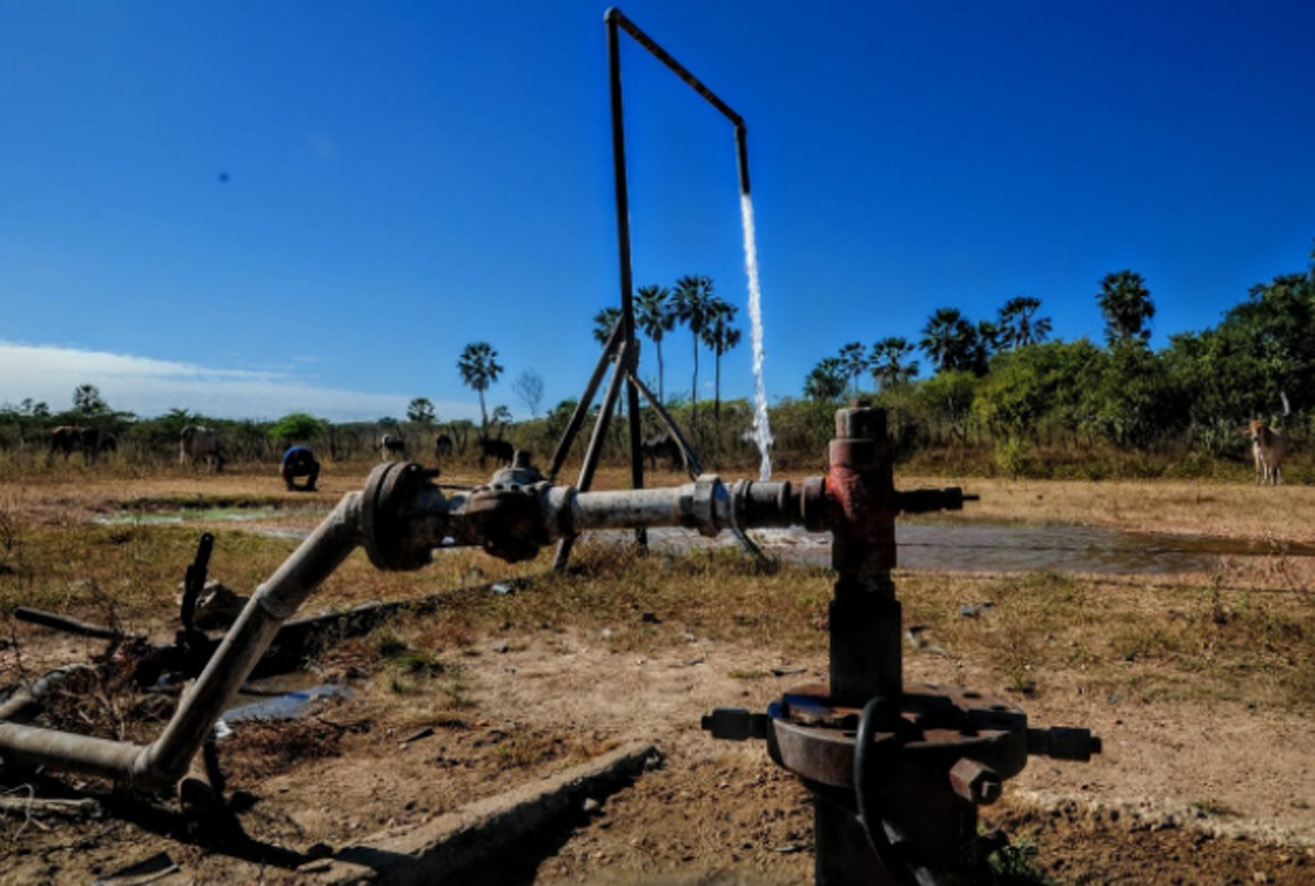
(165, 761)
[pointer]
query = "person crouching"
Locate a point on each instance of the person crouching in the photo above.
(300, 461)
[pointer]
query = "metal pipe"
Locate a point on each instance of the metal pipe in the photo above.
(742, 157)
(629, 358)
(614, 17)
(25, 698)
(626, 509)
(273, 603)
(165, 761)
(34, 747)
(65, 623)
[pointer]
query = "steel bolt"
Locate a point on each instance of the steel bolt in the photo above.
(975, 782)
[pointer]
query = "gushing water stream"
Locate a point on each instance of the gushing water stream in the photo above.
(762, 428)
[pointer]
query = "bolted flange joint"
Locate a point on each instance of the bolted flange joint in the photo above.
(387, 528)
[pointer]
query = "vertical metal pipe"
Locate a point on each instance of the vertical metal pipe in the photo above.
(630, 353)
(742, 157)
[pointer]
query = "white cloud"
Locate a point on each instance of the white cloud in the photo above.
(148, 387)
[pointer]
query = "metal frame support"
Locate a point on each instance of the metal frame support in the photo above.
(621, 346)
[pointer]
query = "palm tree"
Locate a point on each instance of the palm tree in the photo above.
(826, 382)
(655, 314)
(854, 359)
(887, 362)
(1018, 328)
(948, 339)
(479, 368)
(985, 342)
(604, 322)
(692, 298)
(1126, 303)
(720, 337)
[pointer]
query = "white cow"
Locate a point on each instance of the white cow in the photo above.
(197, 444)
(1268, 448)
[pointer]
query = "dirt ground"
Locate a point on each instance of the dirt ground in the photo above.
(1201, 781)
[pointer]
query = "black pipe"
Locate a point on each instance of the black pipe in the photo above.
(742, 157)
(614, 16)
(629, 353)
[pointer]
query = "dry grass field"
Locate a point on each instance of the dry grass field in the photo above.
(1202, 686)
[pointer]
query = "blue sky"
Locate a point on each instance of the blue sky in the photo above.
(405, 178)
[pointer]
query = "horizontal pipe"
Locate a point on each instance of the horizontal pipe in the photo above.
(626, 509)
(34, 747)
(65, 623)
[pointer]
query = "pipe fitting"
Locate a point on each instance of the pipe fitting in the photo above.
(705, 505)
(975, 782)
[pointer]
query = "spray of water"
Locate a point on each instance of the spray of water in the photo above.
(762, 428)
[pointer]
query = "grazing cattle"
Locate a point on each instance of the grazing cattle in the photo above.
(68, 439)
(499, 450)
(300, 461)
(1268, 449)
(108, 443)
(443, 446)
(662, 446)
(390, 446)
(197, 444)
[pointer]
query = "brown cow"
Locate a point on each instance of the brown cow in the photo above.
(662, 446)
(68, 439)
(1268, 448)
(499, 450)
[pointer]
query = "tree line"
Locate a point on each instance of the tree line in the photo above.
(1004, 382)
(1001, 386)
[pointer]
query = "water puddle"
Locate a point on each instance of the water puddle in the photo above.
(185, 515)
(178, 516)
(281, 697)
(1001, 548)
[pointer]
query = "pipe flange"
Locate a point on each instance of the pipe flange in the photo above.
(388, 492)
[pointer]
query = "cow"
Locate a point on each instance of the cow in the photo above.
(662, 446)
(499, 450)
(391, 445)
(443, 446)
(299, 461)
(1268, 448)
(68, 439)
(197, 444)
